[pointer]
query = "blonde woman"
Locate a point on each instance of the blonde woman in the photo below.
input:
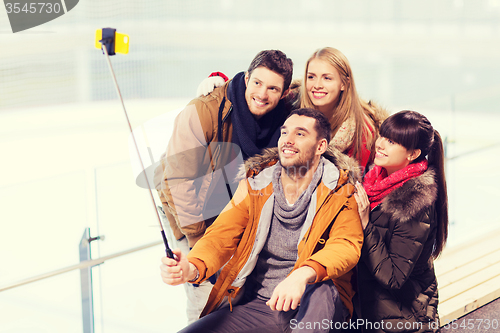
(329, 86)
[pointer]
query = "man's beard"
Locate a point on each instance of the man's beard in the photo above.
(301, 165)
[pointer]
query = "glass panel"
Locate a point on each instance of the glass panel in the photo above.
(47, 306)
(43, 221)
(129, 293)
(125, 213)
(134, 298)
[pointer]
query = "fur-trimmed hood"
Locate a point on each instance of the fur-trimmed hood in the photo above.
(254, 165)
(416, 195)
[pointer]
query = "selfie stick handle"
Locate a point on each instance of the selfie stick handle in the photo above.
(168, 251)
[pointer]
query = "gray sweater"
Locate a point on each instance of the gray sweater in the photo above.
(279, 254)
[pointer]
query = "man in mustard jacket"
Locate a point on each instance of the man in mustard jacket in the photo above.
(211, 138)
(287, 242)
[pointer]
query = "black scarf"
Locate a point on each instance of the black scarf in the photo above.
(250, 134)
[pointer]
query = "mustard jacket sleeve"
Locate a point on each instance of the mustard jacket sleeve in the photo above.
(342, 249)
(222, 238)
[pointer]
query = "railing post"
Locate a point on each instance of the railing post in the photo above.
(86, 283)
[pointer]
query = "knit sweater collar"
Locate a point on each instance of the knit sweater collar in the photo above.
(282, 209)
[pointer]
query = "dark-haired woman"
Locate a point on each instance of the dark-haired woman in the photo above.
(404, 213)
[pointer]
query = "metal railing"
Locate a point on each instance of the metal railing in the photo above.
(81, 265)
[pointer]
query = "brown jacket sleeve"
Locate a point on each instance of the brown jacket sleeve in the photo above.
(181, 179)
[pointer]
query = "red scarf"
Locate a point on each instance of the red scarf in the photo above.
(378, 185)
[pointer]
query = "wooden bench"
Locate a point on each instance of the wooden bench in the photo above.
(468, 276)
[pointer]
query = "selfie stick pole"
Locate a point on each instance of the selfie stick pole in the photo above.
(104, 46)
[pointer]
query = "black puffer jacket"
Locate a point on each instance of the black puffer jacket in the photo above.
(396, 279)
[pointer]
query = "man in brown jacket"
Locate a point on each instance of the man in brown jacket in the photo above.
(211, 138)
(290, 236)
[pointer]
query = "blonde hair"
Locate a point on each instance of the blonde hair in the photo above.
(367, 117)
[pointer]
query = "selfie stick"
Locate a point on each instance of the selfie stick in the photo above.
(107, 46)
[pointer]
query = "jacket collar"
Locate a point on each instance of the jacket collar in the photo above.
(416, 195)
(329, 178)
(259, 169)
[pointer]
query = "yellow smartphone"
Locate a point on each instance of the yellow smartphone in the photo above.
(121, 41)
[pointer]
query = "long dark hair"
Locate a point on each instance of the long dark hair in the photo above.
(413, 130)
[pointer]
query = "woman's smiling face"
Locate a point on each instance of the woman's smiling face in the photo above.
(393, 156)
(323, 85)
